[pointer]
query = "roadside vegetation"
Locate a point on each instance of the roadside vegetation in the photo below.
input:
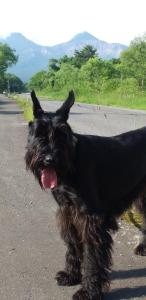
(9, 83)
(26, 107)
(118, 82)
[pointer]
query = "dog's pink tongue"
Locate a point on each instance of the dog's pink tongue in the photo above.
(49, 178)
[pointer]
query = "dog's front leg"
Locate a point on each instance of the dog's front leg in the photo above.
(96, 262)
(72, 273)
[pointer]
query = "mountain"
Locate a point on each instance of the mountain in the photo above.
(104, 49)
(34, 57)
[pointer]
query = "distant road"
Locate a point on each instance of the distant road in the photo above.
(98, 119)
(102, 120)
(31, 251)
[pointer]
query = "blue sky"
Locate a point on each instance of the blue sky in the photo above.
(49, 22)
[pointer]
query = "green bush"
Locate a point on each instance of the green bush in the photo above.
(128, 88)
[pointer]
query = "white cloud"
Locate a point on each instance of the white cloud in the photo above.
(50, 22)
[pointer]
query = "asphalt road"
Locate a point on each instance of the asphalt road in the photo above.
(31, 251)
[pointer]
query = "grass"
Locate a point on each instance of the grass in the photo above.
(90, 97)
(109, 99)
(26, 106)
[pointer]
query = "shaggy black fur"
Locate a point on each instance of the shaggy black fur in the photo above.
(98, 178)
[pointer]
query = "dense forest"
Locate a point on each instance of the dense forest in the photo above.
(89, 75)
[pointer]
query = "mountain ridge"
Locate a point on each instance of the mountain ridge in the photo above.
(34, 57)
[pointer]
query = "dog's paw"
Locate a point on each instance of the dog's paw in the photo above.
(63, 278)
(140, 250)
(83, 294)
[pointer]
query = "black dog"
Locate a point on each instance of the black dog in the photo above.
(94, 180)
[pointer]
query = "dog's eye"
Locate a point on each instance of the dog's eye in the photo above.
(64, 129)
(40, 129)
(61, 133)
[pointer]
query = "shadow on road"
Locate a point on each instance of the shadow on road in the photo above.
(127, 293)
(128, 274)
(12, 112)
(6, 102)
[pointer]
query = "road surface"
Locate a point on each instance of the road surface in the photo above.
(31, 251)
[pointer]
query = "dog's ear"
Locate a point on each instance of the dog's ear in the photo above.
(37, 110)
(63, 111)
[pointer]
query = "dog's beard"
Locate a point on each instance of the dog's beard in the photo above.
(50, 174)
(49, 178)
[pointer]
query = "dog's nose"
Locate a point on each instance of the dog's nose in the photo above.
(48, 159)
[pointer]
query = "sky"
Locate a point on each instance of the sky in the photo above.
(49, 22)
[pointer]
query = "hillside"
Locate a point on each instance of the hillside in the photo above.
(34, 57)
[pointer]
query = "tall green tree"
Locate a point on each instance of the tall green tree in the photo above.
(14, 82)
(81, 57)
(133, 61)
(91, 72)
(8, 57)
(54, 65)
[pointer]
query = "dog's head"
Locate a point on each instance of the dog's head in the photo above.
(51, 143)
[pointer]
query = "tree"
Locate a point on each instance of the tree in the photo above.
(66, 59)
(54, 65)
(81, 57)
(110, 69)
(2, 83)
(133, 61)
(67, 76)
(38, 81)
(91, 73)
(14, 82)
(7, 57)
